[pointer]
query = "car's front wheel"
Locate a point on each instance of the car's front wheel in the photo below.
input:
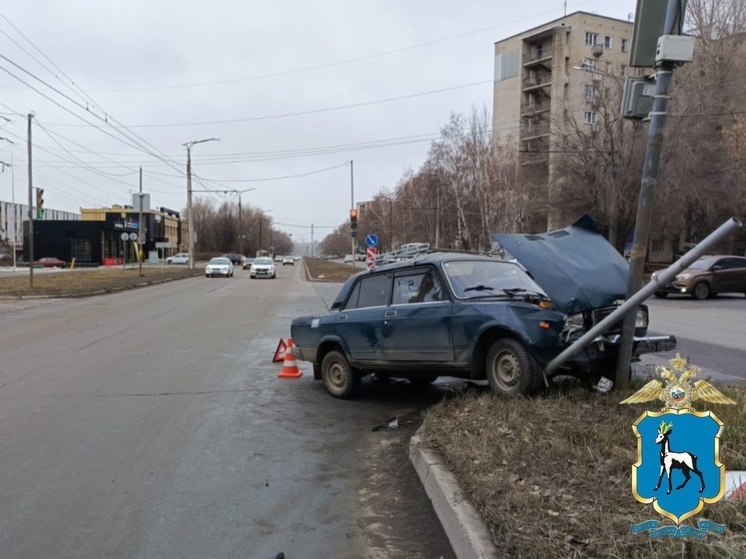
(701, 291)
(511, 370)
(338, 377)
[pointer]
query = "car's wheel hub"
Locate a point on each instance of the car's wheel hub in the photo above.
(337, 375)
(507, 370)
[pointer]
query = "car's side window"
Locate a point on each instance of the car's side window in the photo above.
(374, 291)
(423, 287)
(352, 300)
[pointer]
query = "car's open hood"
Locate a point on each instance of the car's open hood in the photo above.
(576, 266)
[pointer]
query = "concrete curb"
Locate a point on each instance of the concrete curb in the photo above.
(461, 522)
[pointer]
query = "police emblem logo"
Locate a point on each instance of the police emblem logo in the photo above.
(678, 466)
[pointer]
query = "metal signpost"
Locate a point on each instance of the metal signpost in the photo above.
(371, 241)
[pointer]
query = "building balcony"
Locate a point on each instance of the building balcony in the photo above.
(542, 60)
(534, 85)
(535, 135)
(534, 112)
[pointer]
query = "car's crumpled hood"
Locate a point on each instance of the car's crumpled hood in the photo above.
(576, 266)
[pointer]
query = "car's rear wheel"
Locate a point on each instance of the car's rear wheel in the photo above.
(338, 377)
(511, 370)
(701, 291)
(661, 294)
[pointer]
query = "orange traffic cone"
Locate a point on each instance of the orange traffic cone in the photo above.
(290, 367)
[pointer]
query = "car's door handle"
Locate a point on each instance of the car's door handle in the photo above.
(390, 314)
(342, 317)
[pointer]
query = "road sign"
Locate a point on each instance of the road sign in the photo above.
(370, 256)
(371, 240)
(163, 245)
(133, 236)
(124, 236)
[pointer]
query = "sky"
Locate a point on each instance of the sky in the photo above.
(293, 89)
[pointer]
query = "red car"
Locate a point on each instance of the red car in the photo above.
(50, 262)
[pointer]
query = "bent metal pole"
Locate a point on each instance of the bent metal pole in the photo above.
(656, 281)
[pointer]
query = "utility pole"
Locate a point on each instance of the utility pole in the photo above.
(663, 81)
(30, 206)
(139, 226)
(352, 206)
(13, 200)
(312, 240)
(190, 217)
(240, 227)
(260, 231)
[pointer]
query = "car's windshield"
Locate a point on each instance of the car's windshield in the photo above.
(263, 261)
(701, 264)
(482, 278)
(220, 261)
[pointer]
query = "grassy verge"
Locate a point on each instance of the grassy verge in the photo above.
(331, 271)
(552, 476)
(84, 282)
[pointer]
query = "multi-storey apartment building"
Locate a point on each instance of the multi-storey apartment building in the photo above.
(544, 78)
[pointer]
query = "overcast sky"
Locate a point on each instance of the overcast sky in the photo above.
(241, 70)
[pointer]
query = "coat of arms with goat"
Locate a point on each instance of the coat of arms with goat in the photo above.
(678, 466)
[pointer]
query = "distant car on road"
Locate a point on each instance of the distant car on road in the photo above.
(247, 262)
(219, 267)
(288, 260)
(263, 268)
(709, 276)
(236, 259)
(278, 258)
(50, 262)
(181, 258)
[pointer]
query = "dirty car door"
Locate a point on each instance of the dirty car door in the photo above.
(360, 322)
(417, 325)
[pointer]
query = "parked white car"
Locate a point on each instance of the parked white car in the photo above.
(262, 268)
(219, 267)
(181, 258)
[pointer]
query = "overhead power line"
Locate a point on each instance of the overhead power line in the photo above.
(298, 113)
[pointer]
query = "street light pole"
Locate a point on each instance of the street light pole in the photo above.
(190, 224)
(240, 221)
(30, 206)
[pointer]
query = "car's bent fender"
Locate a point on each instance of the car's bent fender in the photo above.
(331, 340)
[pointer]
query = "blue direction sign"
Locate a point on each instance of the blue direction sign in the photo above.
(371, 240)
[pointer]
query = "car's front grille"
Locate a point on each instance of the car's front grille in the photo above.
(597, 315)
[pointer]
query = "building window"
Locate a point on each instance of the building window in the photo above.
(589, 117)
(624, 45)
(607, 42)
(608, 67)
(624, 70)
(591, 38)
(589, 64)
(506, 65)
(590, 93)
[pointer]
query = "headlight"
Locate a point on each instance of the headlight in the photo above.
(575, 320)
(641, 320)
(685, 276)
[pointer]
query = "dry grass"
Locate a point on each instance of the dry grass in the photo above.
(331, 271)
(85, 282)
(552, 476)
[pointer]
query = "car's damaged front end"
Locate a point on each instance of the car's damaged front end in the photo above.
(586, 278)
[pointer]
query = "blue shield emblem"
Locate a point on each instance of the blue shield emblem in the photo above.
(678, 465)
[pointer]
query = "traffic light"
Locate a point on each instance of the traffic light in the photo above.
(40, 203)
(353, 223)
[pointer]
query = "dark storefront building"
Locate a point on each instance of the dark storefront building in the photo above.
(109, 241)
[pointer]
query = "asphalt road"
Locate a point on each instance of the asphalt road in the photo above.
(711, 333)
(151, 424)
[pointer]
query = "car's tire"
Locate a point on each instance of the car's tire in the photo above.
(701, 291)
(661, 294)
(510, 370)
(340, 380)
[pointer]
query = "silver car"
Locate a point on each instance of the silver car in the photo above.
(263, 268)
(219, 267)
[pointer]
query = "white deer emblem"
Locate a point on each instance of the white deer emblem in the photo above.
(684, 461)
